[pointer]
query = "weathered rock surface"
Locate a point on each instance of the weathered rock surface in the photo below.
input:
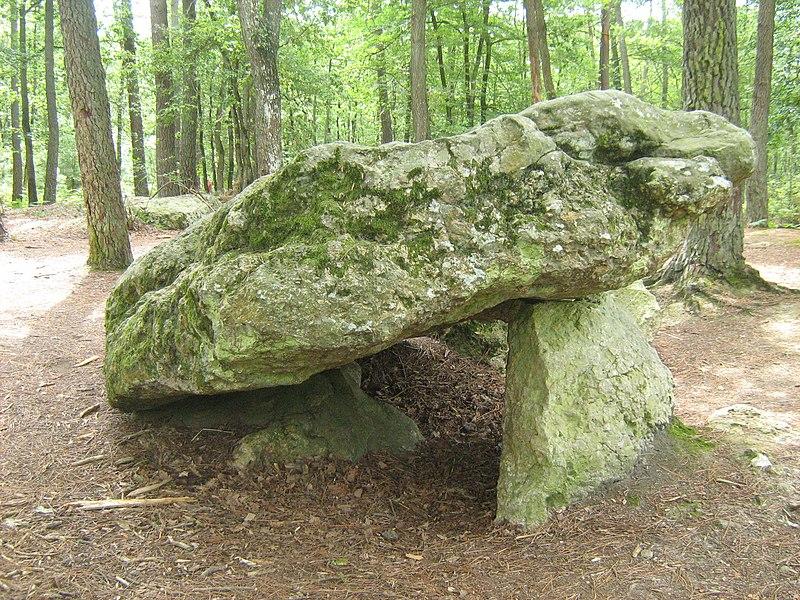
(327, 415)
(584, 393)
(349, 249)
(175, 212)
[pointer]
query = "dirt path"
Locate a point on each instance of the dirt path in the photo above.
(691, 523)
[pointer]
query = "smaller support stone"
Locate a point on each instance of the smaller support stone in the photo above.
(327, 415)
(584, 393)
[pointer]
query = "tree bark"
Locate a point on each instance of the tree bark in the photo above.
(485, 79)
(16, 141)
(166, 147)
(605, 46)
(712, 251)
(384, 113)
(261, 21)
(448, 107)
(419, 86)
(664, 63)
(30, 166)
(188, 145)
(544, 49)
(109, 246)
(218, 146)
(623, 51)
(51, 166)
(465, 35)
(131, 75)
(757, 197)
(533, 51)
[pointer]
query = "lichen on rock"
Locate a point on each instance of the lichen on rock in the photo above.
(349, 249)
(173, 212)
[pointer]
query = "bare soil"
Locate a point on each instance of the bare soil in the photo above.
(694, 521)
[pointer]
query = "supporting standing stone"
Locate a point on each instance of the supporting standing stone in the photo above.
(584, 393)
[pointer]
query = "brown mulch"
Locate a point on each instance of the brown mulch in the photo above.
(688, 524)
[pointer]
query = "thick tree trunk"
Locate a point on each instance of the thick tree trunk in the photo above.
(51, 166)
(16, 140)
(166, 147)
(757, 198)
(109, 246)
(419, 84)
(30, 165)
(623, 50)
(131, 75)
(544, 49)
(713, 248)
(533, 51)
(261, 21)
(605, 46)
(448, 106)
(188, 146)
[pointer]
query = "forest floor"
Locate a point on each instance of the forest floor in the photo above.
(694, 521)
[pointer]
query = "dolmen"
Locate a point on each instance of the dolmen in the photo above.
(542, 219)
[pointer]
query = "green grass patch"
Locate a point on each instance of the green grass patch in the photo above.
(688, 436)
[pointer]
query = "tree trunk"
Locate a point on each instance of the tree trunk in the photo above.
(384, 114)
(51, 166)
(16, 141)
(605, 46)
(419, 85)
(485, 79)
(448, 107)
(533, 51)
(757, 197)
(166, 147)
(712, 251)
(261, 21)
(623, 51)
(30, 166)
(188, 146)
(544, 49)
(109, 246)
(470, 109)
(131, 75)
(201, 145)
(664, 64)
(218, 146)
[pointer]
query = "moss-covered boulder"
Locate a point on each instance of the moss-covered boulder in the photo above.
(584, 393)
(173, 212)
(349, 249)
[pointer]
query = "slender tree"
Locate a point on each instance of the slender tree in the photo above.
(27, 133)
(51, 166)
(544, 49)
(713, 248)
(605, 46)
(664, 63)
(448, 106)
(534, 60)
(757, 198)
(384, 111)
(419, 85)
(16, 141)
(166, 147)
(124, 18)
(190, 103)
(625, 64)
(261, 22)
(109, 246)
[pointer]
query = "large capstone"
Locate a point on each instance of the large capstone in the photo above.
(350, 249)
(585, 392)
